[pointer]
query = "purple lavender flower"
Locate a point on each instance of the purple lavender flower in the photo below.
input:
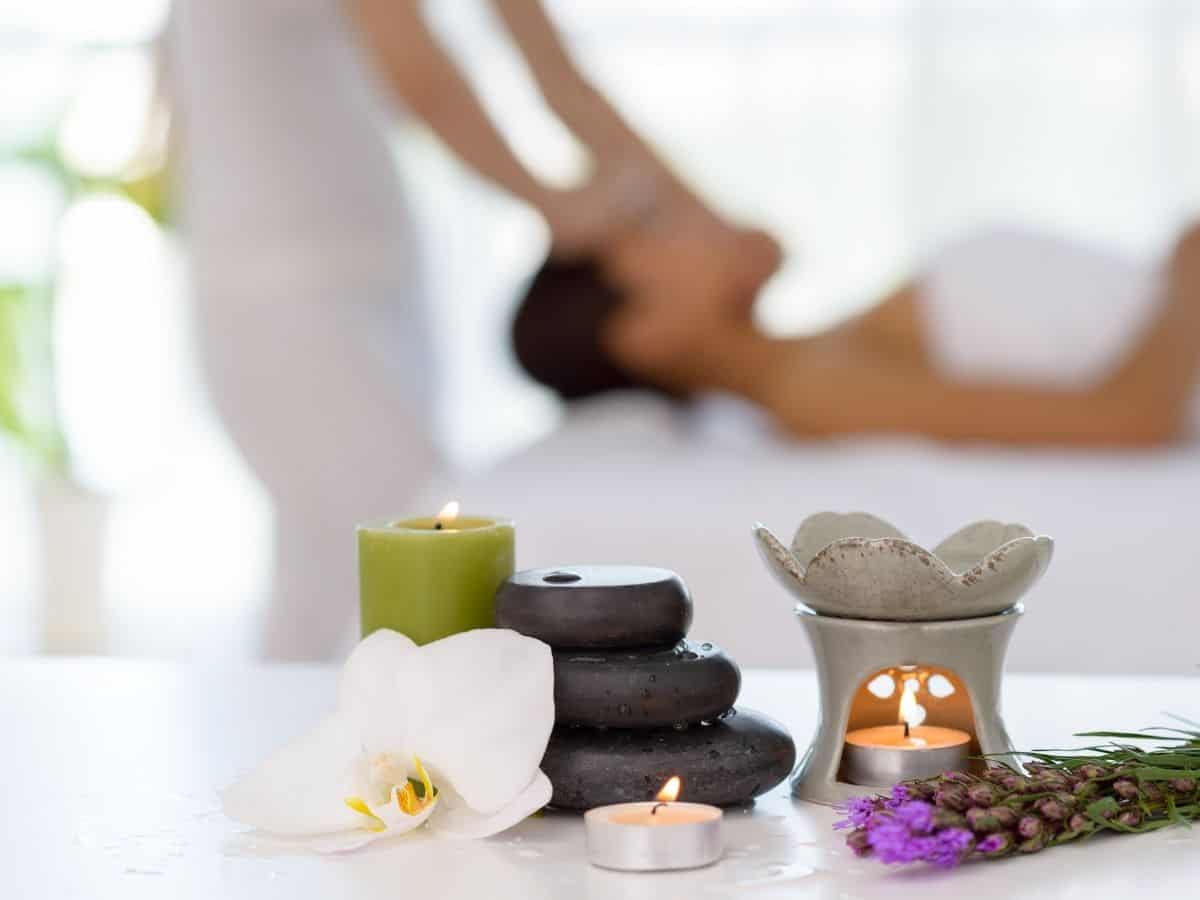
(858, 810)
(1130, 818)
(1033, 844)
(982, 821)
(894, 843)
(916, 815)
(952, 796)
(1125, 789)
(1018, 784)
(1051, 808)
(958, 778)
(1050, 780)
(900, 794)
(995, 844)
(951, 846)
(982, 794)
(948, 818)
(1005, 815)
(858, 841)
(1029, 826)
(920, 790)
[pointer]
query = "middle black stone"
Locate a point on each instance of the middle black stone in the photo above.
(686, 683)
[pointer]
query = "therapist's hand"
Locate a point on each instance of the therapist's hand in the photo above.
(698, 265)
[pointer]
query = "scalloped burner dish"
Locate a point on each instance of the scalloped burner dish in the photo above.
(857, 566)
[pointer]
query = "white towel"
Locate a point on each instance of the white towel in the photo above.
(1017, 305)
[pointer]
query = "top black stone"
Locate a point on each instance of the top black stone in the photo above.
(596, 607)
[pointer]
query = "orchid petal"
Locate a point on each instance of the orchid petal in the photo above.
(483, 727)
(380, 678)
(478, 706)
(301, 788)
(342, 841)
(397, 823)
(457, 820)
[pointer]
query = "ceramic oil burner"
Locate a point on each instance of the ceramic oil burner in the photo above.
(905, 640)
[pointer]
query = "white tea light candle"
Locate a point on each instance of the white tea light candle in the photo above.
(654, 836)
(887, 754)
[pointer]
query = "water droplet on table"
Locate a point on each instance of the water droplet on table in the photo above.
(530, 853)
(779, 872)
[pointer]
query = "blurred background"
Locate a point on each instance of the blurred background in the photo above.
(861, 133)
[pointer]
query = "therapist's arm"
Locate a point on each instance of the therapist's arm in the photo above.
(615, 147)
(680, 239)
(424, 77)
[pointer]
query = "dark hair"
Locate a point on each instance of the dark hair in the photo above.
(557, 327)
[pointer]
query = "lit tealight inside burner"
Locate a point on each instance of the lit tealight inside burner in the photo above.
(886, 754)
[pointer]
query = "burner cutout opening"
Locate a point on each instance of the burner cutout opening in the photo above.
(898, 716)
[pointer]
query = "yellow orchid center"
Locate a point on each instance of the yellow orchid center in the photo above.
(406, 797)
(374, 823)
(409, 801)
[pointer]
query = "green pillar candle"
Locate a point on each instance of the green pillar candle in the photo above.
(432, 577)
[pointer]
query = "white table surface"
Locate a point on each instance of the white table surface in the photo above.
(109, 772)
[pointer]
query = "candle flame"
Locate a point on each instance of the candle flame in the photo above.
(912, 713)
(669, 791)
(448, 514)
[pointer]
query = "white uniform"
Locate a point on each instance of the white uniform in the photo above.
(306, 290)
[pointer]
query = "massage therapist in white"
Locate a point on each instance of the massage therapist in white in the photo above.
(306, 280)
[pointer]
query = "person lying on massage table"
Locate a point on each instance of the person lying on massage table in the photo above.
(1005, 336)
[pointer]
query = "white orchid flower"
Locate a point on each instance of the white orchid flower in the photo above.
(451, 733)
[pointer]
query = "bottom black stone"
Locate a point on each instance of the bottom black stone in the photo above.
(736, 758)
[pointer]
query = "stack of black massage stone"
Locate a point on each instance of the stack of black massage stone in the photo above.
(635, 701)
